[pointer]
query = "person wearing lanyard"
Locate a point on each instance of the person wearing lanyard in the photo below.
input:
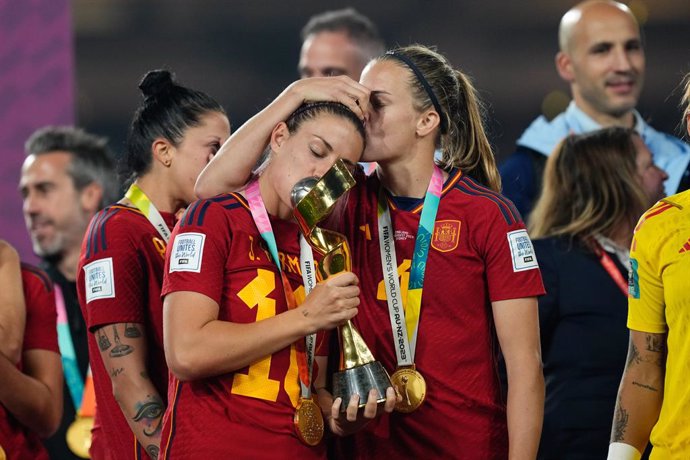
(31, 384)
(237, 310)
(173, 135)
(596, 186)
(475, 277)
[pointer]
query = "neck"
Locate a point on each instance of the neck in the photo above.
(274, 205)
(67, 265)
(625, 120)
(622, 236)
(159, 190)
(407, 178)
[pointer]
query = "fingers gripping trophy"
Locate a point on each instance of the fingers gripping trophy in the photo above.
(313, 201)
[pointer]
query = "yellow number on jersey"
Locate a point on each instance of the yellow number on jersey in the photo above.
(403, 274)
(257, 383)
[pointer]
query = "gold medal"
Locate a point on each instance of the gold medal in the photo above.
(308, 421)
(3, 456)
(79, 436)
(411, 386)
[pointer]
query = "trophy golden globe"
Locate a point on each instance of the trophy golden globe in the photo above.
(313, 201)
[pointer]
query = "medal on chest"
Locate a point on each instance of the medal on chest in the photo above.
(408, 381)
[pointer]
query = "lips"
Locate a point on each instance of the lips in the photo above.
(621, 86)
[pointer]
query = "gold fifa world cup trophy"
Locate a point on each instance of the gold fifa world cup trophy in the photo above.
(313, 201)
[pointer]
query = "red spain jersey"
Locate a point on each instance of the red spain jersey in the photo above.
(217, 251)
(17, 441)
(119, 281)
(479, 253)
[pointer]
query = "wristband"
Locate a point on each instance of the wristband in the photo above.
(622, 451)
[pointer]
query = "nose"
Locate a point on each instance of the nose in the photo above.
(662, 173)
(30, 203)
(621, 59)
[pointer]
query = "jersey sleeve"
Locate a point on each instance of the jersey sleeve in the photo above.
(511, 264)
(41, 316)
(195, 261)
(646, 307)
(114, 275)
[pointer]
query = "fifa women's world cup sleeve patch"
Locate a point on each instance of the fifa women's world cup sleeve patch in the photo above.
(187, 252)
(99, 280)
(522, 251)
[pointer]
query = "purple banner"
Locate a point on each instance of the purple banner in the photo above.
(36, 89)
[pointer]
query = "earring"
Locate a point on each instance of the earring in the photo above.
(167, 163)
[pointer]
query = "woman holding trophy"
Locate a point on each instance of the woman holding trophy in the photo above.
(446, 267)
(236, 311)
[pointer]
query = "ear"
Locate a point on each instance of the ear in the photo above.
(687, 122)
(564, 66)
(162, 151)
(427, 121)
(279, 135)
(90, 198)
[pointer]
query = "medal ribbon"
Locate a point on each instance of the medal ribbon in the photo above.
(405, 338)
(73, 378)
(610, 267)
(88, 404)
(143, 204)
(304, 349)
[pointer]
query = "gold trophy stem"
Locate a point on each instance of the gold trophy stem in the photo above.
(354, 352)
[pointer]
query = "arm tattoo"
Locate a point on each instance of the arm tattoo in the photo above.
(132, 331)
(115, 372)
(103, 341)
(152, 450)
(642, 385)
(620, 422)
(657, 344)
(150, 413)
(120, 349)
(633, 355)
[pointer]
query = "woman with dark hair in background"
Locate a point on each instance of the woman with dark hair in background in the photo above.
(596, 186)
(174, 134)
(481, 277)
(236, 312)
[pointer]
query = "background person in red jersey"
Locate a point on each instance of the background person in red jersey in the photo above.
(232, 334)
(31, 389)
(173, 135)
(481, 279)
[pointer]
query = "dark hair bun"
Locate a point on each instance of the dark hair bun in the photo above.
(156, 82)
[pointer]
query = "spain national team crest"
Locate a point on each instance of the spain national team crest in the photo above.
(446, 235)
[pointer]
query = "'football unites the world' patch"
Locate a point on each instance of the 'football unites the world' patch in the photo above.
(187, 251)
(522, 251)
(100, 282)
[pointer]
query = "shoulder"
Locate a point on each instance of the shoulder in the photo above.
(522, 159)
(663, 143)
(200, 211)
(665, 224)
(35, 278)
(485, 203)
(114, 227)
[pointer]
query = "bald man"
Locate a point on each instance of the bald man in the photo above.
(338, 42)
(602, 58)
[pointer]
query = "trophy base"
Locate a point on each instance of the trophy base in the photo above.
(360, 380)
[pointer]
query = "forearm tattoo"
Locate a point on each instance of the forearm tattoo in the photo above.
(152, 450)
(620, 422)
(150, 414)
(132, 331)
(103, 341)
(120, 349)
(633, 355)
(645, 386)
